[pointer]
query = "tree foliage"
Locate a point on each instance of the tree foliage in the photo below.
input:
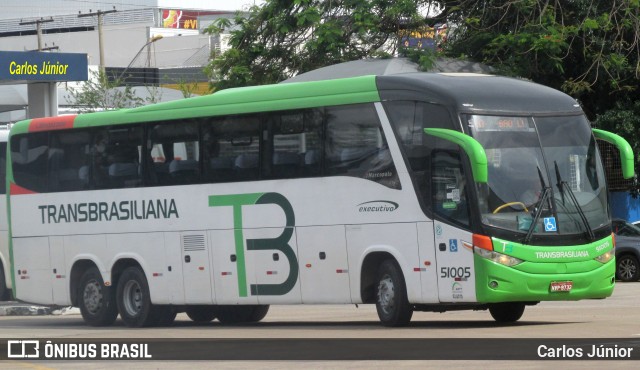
(101, 93)
(588, 48)
(286, 37)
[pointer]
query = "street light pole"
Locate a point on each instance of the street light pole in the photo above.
(149, 42)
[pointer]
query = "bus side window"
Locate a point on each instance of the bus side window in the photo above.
(355, 145)
(449, 191)
(68, 160)
(116, 157)
(29, 156)
(295, 144)
(232, 149)
(175, 153)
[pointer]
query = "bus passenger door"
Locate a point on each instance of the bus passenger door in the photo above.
(324, 274)
(450, 202)
(196, 268)
(456, 277)
(427, 263)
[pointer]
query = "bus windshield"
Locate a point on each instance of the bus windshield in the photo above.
(541, 180)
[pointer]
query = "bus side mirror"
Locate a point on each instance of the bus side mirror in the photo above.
(626, 153)
(471, 146)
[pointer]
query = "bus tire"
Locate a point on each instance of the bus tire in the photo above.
(4, 292)
(627, 268)
(259, 313)
(201, 314)
(134, 299)
(96, 301)
(507, 312)
(392, 303)
(241, 314)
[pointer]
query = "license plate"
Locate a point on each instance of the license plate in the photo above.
(561, 286)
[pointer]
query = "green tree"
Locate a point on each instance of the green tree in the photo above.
(587, 48)
(100, 93)
(283, 38)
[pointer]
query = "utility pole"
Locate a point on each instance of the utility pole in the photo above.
(100, 15)
(38, 23)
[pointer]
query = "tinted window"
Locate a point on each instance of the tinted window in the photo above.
(449, 187)
(175, 153)
(295, 146)
(29, 155)
(355, 145)
(115, 156)
(232, 149)
(68, 163)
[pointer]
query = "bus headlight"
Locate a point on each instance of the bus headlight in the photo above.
(500, 258)
(605, 257)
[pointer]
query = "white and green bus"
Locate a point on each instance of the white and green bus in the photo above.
(413, 192)
(5, 259)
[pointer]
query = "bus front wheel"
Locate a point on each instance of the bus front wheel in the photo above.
(134, 299)
(507, 312)
(392, 304)
(97, 301)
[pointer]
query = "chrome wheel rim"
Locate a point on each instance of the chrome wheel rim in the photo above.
(132, 298)
(92, 296)
(386, 295)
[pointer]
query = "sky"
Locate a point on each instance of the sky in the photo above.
(11, 9)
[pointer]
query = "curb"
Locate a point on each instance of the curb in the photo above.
(20, 309)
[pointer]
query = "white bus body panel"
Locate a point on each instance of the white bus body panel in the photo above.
(33, 278)
(322, 208)
(324, 267)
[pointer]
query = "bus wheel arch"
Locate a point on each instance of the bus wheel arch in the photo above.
(368, 273)
(78, 269)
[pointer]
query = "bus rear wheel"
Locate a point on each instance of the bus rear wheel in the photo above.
(507, 312)
(392, 303)
(134, 299)
(97, 301)
(241, 314)
(201, 314)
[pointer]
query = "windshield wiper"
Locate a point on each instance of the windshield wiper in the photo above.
(564, 185)
(545, 194)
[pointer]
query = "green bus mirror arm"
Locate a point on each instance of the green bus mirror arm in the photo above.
(626, 153)
(471, 146)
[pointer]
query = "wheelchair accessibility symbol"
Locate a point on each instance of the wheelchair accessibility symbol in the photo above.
(550, 224)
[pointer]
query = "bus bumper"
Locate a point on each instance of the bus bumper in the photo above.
(499, 283)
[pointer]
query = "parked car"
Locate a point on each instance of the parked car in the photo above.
(627, 250)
